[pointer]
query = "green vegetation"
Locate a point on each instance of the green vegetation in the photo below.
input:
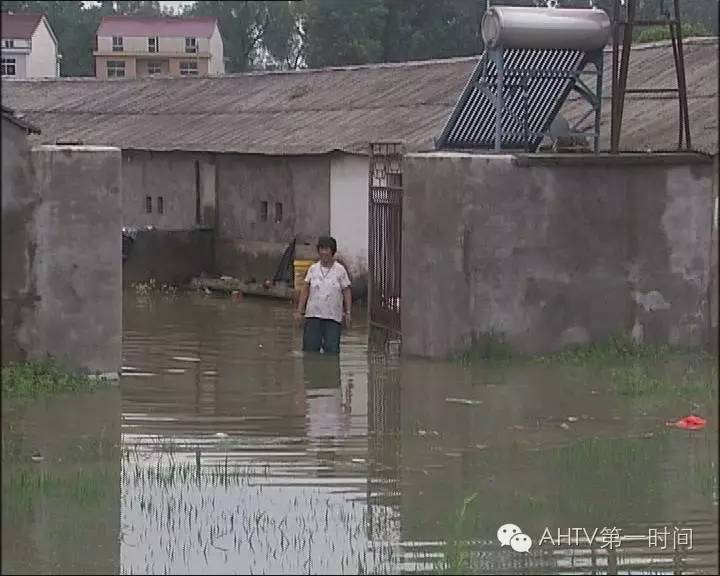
(24, 486)
(23, 380)
(658, 33)
(144, 288)
(457, 554)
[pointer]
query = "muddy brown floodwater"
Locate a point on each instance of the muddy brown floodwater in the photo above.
(225, 450)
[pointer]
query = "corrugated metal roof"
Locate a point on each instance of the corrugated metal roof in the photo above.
(10, 115)
(201, 27)
(472, 122)
(318, 111)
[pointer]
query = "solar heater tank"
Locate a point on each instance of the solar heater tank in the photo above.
(546, 28)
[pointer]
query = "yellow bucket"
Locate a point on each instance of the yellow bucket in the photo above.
(301, 268)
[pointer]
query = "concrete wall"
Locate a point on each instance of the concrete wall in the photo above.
(547, 253)
(349, 209)
(182, 179)
(20, 200)
(715, 286)
(79, 255)
(169, 257)
(43, 57)
(62, 254)
(248, 246)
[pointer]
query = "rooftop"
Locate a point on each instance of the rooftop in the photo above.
(199, 27)
(19, 26)
(319, 111)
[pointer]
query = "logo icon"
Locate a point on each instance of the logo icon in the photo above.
(511, 535)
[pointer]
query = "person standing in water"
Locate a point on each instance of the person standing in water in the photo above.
(325, 300)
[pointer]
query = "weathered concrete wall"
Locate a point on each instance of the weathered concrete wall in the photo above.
(169, 257)
(19, 203)
(547, 253)
(715, 286)
(185, 182)
(78, 260)
(251, 236)
(349, 209)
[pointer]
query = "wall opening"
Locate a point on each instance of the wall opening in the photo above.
(160, 205)
(263, 211)
(148, 204)
(278, 212)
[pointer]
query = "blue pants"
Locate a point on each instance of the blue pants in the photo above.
(321, 333)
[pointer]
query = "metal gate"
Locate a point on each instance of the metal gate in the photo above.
(385, 234)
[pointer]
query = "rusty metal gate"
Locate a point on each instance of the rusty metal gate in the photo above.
(385, 234)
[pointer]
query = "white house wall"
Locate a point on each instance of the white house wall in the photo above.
(349, 209)
(20, 63)
(43, 57)
(139, 44)
(217, 63)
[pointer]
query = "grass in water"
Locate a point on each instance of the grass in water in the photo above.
(457, 555)
(37, 378)
(24, 486)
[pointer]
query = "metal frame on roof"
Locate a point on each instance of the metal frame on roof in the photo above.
(513, 96)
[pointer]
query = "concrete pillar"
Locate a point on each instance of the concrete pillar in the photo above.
(78, 259)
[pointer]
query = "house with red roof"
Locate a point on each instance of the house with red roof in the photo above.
(132, 46)
(29, 47)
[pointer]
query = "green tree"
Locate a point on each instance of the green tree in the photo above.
(424, 29)
(342, 32)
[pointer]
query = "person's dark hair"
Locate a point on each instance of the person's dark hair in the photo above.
(327, 242)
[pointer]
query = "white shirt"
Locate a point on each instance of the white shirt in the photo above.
(326, 291)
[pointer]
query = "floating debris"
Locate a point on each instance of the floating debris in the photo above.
(138, 374)
(186, 359)
(564, 425)
(176, 370)
(210, 373)
(37, 458)
(465, 401)
(691, 422)
(572, 418)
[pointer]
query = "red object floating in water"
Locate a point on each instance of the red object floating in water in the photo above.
(689, 423)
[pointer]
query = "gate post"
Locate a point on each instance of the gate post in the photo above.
(385, 235)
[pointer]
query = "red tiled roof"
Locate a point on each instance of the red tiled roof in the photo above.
(19, 26)
(201, 27)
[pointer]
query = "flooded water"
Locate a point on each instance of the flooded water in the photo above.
(225, 450)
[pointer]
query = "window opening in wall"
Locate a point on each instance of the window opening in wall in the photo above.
(263, 211)
(161, 205)
(9, 43)
(188, 68)
(197, 192)
(7, 68)
(117, 44)
(278, 212)
(115, 69)
(190, 45)
(153, 44)
(153, 68)
(148, 204)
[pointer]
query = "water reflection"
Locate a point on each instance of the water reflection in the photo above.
(242, 455)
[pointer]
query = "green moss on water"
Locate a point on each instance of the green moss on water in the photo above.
(34, 379)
